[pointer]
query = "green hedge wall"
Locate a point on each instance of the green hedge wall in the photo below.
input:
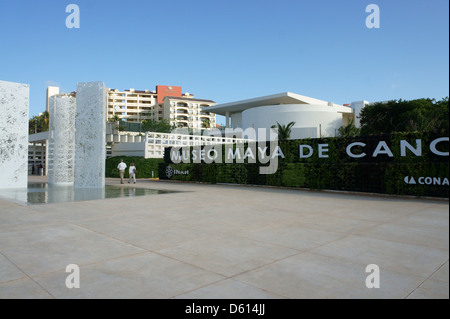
(381, 174)
(144, 166)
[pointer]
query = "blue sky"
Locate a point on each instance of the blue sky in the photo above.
(230, 50)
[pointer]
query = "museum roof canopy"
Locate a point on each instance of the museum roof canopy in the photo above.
(275, 99)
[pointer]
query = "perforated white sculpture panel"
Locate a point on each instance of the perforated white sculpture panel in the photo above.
(62, 109)
(14, 103)
(90, 136)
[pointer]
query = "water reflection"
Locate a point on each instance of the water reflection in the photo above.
(43, 193)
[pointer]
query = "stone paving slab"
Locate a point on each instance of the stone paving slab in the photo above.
(310, 275)
(145, 275)
(229, 289)
(222, 241)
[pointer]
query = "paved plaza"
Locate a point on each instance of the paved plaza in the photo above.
(223, 241)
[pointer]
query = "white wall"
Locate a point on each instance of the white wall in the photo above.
(128, 149)
(308, 119)
(51, 91)
(358, 106)
(236, 119)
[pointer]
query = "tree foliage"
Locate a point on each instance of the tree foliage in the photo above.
(162, 126)
(349, 130)
(421, 115)
(115, 122)
(206, 123)
(284, 131)
(38, 123)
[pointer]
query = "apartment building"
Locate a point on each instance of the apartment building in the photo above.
(166, 102)
(188, 112)
(133, 105)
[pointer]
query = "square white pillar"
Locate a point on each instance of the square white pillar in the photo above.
(14, 109)
(90, 135)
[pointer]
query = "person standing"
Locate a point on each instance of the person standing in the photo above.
(121, 168)
(132, 173)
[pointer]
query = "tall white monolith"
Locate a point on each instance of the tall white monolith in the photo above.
(62, 109)
(14, 110)
(90, 135)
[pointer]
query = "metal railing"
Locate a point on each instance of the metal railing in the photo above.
(170, 139)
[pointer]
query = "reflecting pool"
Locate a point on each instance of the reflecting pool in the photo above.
(43, 193)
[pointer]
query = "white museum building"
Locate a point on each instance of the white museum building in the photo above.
(313, 118)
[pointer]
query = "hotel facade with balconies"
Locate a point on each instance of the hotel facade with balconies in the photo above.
(166, 102)
(187, 112)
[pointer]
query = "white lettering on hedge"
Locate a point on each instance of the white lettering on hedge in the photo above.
(322, 149)
(427, 180)
(382, 148)
(351, 154)
(262, 153)
(249, 154)
(277, 153)
(265, 154)
(175, 156)
(405, 145)
(232, 156)
(302, 153)
(435, 142)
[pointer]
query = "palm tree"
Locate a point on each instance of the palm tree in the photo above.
(206, 123)
(46, 120)
(115, 122)
(284, 131)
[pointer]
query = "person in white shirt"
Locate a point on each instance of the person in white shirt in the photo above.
(132, 173)
(121, 168)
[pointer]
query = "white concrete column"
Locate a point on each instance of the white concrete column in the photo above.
(34, 156)
(14, 106)
(90, 136)
(146, 144)
(46, 157)
(227, 121)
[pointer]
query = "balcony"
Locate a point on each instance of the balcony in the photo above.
(181, 108)
(141, 98)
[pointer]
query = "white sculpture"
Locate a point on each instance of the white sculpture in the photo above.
(62, 109)
(90, 136)
(14, 104)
